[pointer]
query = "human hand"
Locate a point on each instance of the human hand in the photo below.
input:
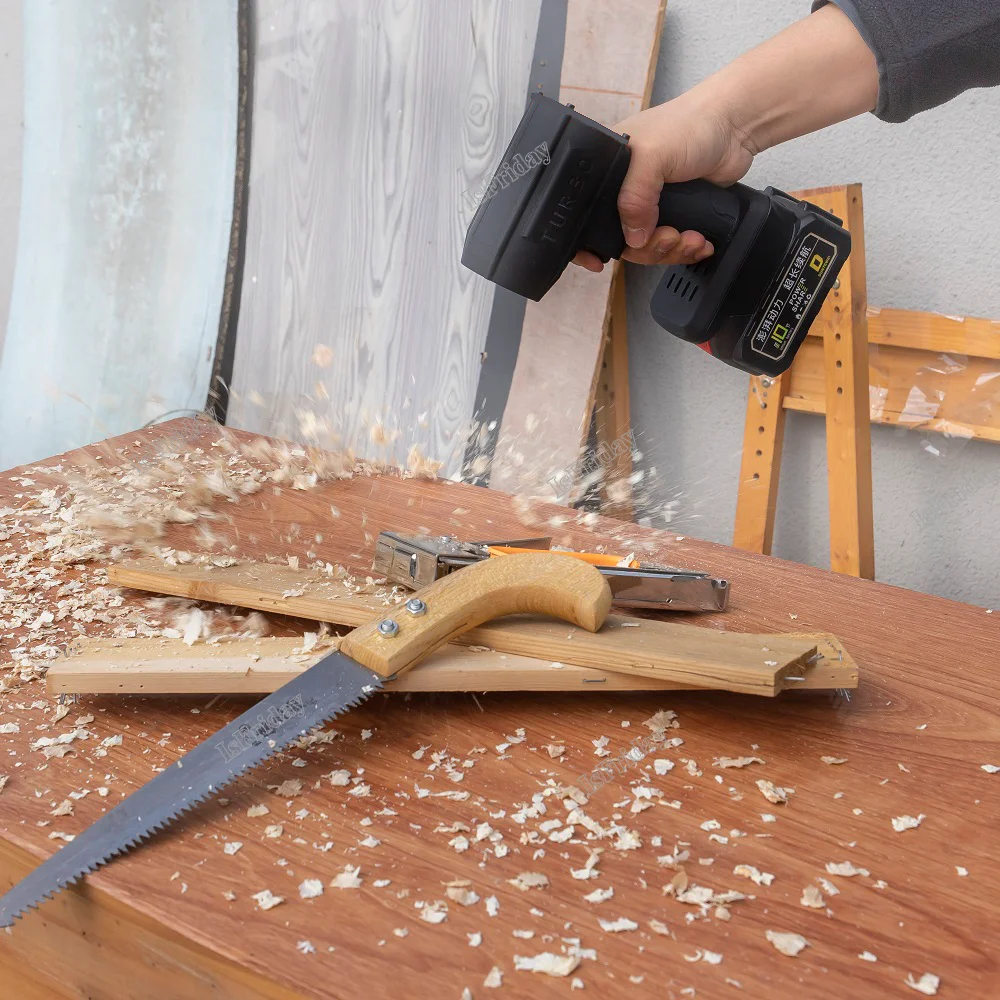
(684, 139)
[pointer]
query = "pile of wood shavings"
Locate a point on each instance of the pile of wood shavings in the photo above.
(68, 523)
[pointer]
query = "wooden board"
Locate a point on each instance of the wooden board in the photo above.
(608, 67)
(928, 702)
(258, 666)
(700, 657)
(375, 125)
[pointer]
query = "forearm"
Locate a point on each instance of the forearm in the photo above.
(817, 72)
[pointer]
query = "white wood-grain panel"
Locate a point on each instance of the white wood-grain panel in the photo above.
(374, 124)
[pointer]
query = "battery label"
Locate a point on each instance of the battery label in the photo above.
(795, 294)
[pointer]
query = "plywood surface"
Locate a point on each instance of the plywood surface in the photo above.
(374, 127)
(927, 703)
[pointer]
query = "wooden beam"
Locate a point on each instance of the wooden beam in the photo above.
(763, 436)
(259, 666)
(925, 331)
(910, 389)
(703, 657)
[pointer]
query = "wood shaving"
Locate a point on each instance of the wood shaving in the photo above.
(4, 778)
(659, 927)
(755, 875)
(867, 956)
(435, 912)
(462, 895)
(663, 766)
(834, 760)
(812, 897)
(310, 888)
(492, 906)
(786, 942)
(901, 823)
(547, 964)
(232, 846)
(349, 878)
(599, 895)
(255, 811)
(617, 926)
(529, 880)
(494, 979)
(267, 900)
(322, 356)
(927, 984)
(287, 789)
(700, 955)
(736, 761)
(475, 939)
(772, 792)
(553, 750)
(845, 869)
(339, 779)
(990, 768)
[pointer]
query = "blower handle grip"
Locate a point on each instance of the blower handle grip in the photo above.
(704, 207)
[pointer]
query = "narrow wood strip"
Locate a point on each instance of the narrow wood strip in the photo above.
(699, 656)
(259, 666)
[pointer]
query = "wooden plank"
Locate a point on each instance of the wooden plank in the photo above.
(612, 459)
(928, 701)
(608, 66)
(763, 436)
(934, 332)
(698, 656)
(259, 666)
(375, 125)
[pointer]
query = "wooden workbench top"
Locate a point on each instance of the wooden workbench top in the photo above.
(177, 918)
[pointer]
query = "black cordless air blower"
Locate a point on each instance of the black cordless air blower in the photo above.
(750, 304)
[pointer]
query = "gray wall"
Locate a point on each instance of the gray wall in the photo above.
(11, 127)
(933, 240)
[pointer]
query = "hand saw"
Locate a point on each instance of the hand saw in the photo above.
(536, 583)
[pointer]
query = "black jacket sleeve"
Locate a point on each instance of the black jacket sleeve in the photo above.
(928, 51)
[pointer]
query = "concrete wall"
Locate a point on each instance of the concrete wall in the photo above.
(11, 129)
(933, 242)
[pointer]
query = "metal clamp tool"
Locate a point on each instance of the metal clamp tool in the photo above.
(415, 562)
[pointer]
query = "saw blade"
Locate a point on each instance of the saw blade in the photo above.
(329, 687)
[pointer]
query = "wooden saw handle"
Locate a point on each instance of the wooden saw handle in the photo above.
(538, 583)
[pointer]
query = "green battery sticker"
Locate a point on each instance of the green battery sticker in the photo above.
(795, 293)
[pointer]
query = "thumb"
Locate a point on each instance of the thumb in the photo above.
(639, 198)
